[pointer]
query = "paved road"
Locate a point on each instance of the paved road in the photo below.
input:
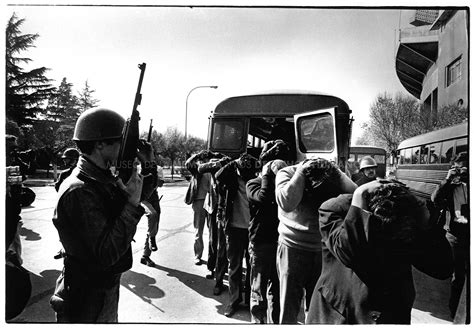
(176, 290)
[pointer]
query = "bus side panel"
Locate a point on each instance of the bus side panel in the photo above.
(422, 181)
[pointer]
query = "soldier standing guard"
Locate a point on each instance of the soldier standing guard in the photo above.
(96, 217)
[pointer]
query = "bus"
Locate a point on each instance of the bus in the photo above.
(313, 124)
(357, 152)
(424, 160)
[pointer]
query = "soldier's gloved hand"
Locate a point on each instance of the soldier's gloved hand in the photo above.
(145, 152)
(134, 185)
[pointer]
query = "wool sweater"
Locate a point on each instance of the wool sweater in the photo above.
(297, 212)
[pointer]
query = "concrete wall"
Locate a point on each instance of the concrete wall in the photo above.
(452, 44)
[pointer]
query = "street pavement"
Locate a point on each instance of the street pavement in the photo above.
(175, 291)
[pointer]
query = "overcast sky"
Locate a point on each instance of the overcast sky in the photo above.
(349, 53)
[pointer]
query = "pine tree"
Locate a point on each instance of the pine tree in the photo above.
(25, 91)
(63, 105)
(86, 100)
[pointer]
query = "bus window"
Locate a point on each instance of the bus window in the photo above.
(379, 158)
(447, 151)
(317, 133)
(435, 150)
(415, 155)
(461, 145)
(424, 154)
(227, 134)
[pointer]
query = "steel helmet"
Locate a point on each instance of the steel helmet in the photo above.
(367, 162)
(71, 153)
(98, 124)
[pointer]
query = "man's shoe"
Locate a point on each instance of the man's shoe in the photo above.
(147, 261)
(218, 289)
(153, 246)
(230, 310)
(198, 261)
(210, 275)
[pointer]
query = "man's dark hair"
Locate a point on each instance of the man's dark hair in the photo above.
(397, 209)
(322, 178)
(461, 157)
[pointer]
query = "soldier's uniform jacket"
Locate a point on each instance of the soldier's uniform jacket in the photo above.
(95, 222)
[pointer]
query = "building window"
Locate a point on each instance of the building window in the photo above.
(453, 72)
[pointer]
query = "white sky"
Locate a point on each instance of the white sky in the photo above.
(349, 53)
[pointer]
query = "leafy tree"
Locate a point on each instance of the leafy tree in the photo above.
(86, 100)
(194, 145)
(173, 145)
(449, 115)
(25, 90)
(393, 119)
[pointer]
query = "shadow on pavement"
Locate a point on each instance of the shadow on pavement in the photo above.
(142, 286)
(29, 234)
(205, 287)
(38, 305)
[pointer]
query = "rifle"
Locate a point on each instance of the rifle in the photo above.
(130, 135)
(149, 131)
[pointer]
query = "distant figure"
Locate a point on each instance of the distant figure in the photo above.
(153, 213)
(70, 157)
(217, 256)
(371, 239)
(452, 195)
(368, 168)
(195, 196)
(17, 279)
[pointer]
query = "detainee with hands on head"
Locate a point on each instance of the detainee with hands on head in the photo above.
(371, 239)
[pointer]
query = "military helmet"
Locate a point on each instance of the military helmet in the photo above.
(367, 162)
(98, 124)
(71, 153)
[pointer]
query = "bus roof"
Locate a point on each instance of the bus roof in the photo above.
(278, 104)
(367, 147)
(456, 131)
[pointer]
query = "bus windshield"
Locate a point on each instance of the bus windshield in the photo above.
(227, 134)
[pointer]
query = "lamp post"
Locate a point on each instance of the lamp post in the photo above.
(186, 117)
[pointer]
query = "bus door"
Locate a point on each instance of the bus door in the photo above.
(316, 135)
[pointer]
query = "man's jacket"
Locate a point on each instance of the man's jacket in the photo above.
(228, 181)
(263, 227)
(95, 222)
(442, 198)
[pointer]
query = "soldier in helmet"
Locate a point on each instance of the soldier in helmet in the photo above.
(70, 157)
(96, 216)
(368, 168)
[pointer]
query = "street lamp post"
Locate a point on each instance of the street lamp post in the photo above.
(186, 117)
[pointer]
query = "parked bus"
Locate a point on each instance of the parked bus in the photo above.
(423, 161)
(313, 124)
(357, 152)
